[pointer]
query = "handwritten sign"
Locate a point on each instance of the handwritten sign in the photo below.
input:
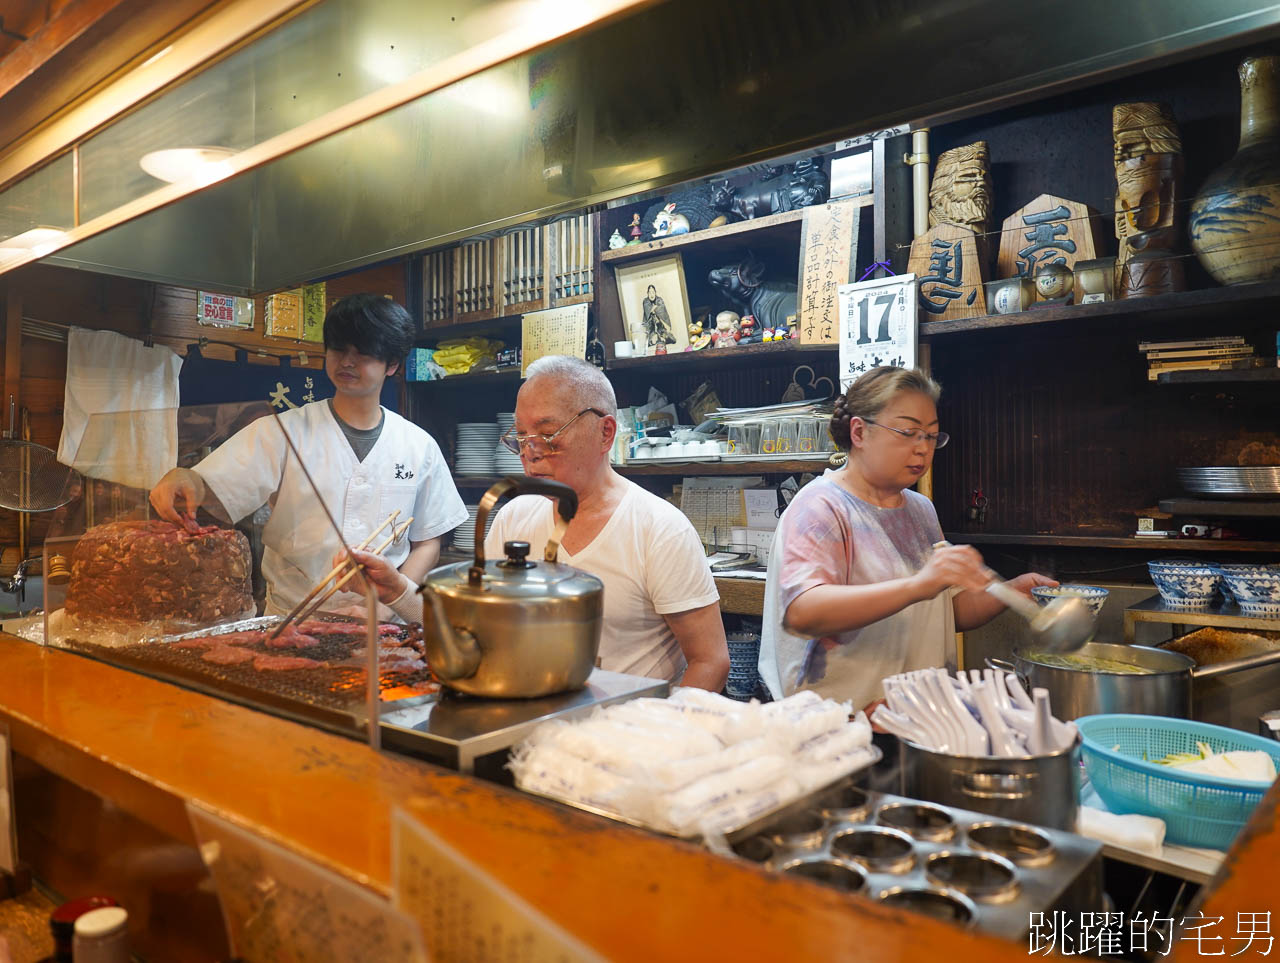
(465, 912)
(828, 254)
(554, 331)
(283, 314)
(877, 325)
(313, 311)
(8, 833)
(283, 909)
(224, 310)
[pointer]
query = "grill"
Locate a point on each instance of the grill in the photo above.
(331, 695)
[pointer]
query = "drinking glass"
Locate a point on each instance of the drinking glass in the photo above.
(788, 436)
(769, 438)
(807, 442)
(740, 440)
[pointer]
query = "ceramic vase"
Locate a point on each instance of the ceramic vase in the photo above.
(1235, 217)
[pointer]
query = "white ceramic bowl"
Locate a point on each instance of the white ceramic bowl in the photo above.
(1094, 595)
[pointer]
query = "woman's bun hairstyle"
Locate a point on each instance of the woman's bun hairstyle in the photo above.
(871, 394)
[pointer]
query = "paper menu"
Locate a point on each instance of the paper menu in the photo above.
(715, 506)
(465, 912)
(281, 908)
(553, 331)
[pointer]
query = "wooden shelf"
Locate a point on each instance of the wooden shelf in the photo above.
(1224, 614)
(663, 244)
(474, 378)
(784, 352)
(1231, 304)
(465, 329)
(1240, 375)
(1220, 545)
(725, 468)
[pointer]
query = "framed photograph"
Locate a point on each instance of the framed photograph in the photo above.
(655, 303)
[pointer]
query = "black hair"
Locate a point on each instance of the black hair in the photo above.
(371, 324)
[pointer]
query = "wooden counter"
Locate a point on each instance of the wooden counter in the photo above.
(147, 746)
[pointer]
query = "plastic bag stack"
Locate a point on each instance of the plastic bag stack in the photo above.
(697, 762)
(460, 355)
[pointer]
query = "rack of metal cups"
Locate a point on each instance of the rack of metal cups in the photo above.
(965, 867)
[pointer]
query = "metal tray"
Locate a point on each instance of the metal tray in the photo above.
(734, 833)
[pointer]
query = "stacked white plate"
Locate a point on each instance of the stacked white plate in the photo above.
(505, 461)
(1228, 480)
(476, 440)
(464, 536)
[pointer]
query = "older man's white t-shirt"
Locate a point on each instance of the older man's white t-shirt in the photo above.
(651, 562)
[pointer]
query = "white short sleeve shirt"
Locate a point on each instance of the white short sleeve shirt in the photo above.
(651, 562)
(404, 471)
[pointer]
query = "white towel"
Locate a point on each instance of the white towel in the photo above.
(120, 421)
(1143, 833)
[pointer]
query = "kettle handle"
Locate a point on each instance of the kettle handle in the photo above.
(566, 506)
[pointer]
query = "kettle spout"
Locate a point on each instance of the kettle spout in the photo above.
(457, 656)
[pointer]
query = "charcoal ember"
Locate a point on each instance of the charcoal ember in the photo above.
(144, 571)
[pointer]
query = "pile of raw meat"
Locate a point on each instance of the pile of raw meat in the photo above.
(155, 570)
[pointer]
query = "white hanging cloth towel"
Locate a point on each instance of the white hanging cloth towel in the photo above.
(120, 411)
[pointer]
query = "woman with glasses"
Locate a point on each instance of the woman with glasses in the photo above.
(856, 590)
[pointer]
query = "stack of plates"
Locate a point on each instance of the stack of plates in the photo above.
(1230, 481)
(464, 536)
(506, 462)
(476, 440)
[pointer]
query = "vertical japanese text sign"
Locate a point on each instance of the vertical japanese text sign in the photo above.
(877, 325)
(828, 254)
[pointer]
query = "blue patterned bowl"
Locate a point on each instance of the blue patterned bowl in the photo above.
(1094, 596)
(1256, 588)
(1185, 584)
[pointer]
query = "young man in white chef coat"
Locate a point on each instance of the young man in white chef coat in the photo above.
(366, 462)
(661, 607)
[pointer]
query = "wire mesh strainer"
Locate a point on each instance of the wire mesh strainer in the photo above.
(32, 479)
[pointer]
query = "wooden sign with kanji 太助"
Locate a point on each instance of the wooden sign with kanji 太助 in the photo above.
(828, 254)
(1049, 229)
(944, 260)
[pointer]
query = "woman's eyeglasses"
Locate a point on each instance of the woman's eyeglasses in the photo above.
(937, 439)
(538, 444)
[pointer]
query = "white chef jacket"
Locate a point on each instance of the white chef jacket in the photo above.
(404, 470)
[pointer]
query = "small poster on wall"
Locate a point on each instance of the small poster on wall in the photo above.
(655, 305)
(877, 326)
(224, 310)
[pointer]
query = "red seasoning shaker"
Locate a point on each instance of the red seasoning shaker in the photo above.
(63, 923)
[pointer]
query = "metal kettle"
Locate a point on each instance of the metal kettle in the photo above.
(514, 629)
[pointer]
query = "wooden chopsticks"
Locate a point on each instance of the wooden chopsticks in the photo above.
(395, 536)
(338, 569)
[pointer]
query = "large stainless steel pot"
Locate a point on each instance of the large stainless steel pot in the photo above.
(1163, 690)
(514, 629)
(1043, 790)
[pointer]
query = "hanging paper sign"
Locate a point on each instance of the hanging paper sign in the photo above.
(554, 331)
(313, 311)
(465, 913)
(281, 907)
(877, 325)
(8, 834)
(224, 310)
(828, 252)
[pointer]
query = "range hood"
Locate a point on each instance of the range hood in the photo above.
(341, 151)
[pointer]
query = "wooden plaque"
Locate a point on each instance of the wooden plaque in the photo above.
(945, 261)
(828, 255)
(1048, 229)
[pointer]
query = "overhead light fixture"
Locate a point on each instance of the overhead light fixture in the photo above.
(180, 164)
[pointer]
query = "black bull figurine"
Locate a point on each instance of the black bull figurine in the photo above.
(770, 302)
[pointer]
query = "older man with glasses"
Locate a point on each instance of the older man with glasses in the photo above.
(661, 607)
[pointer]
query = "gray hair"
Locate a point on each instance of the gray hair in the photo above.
(582, 380)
